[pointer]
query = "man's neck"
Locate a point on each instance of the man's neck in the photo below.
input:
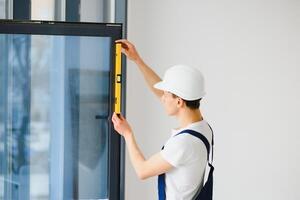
(189, 116)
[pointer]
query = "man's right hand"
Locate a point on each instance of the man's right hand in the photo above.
(129, 50)
(150, 76)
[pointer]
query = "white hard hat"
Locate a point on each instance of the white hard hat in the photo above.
(184, 81)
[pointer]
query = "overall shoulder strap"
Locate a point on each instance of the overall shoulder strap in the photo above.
(200, 136)
(212, 143)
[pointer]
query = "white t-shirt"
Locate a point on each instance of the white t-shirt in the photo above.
(188, 155)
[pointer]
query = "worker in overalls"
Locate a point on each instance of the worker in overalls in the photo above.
(181, 163)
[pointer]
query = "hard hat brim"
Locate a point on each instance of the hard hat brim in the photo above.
(164, 86)
(160, 86)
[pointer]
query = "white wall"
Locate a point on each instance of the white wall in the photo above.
(249, 52)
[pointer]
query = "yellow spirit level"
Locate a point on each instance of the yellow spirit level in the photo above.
(118, 78)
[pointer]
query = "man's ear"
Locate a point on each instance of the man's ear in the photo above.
(180, 102)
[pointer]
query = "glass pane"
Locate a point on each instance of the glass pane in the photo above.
(42, 10)
(94, 10)
(80, 10)
(2, 111)
(2, 9)
(53, 117)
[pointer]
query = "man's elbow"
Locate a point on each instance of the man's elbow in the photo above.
(142, 175)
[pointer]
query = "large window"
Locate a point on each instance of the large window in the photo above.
(55, 105)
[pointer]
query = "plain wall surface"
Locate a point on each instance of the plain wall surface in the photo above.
(249, 53)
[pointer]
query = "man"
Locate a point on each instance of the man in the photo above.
(184, 157)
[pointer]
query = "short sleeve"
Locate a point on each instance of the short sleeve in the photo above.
(177, 151)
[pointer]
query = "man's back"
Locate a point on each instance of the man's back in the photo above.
(188, 155)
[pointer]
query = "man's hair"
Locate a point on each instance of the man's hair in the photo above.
(194, 104)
